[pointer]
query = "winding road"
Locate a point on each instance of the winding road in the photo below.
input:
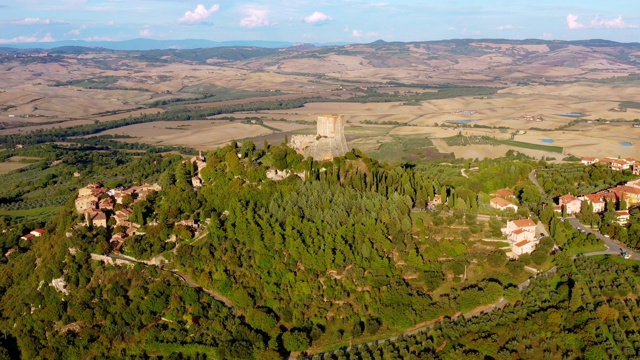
(184, 278)
(614, 247)
(473, 313)
(534, 180)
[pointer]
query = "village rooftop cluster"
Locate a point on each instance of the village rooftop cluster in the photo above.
(98, 204)
(625, 197)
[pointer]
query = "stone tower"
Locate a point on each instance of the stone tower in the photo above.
(329, 141)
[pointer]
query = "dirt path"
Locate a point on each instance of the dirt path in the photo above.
(484, 309)
(190, 283)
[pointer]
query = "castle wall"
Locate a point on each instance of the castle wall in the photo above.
(331, 125)
(327, 144)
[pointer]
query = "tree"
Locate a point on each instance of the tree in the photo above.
(295, 340)
(497, 259)
(607, 313)
(127, 200)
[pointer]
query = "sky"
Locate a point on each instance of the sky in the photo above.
(319, 21)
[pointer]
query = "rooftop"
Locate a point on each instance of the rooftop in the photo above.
(501, 202)
(523, 223)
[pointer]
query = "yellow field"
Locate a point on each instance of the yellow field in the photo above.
(29, 99)
(7, 167)
(201, 135)
(506, 109)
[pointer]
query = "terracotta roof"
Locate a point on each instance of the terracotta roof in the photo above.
(622, 213)
(519, 231)
(522, 243)
(40, 231)
(589, 159)
(523, 223)
(633, 183)
(124, 212)
(595, 198)
(566, 199)
(627, 189)
(501, 202)
(504, 192)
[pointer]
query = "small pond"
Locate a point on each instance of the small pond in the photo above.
(462, 121)
(625, 143)
(547, 141)
(573, 114)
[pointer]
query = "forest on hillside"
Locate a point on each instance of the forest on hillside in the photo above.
(346, 255)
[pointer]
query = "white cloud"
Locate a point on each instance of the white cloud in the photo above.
(573, 23)
(146, 33)
(547, 36)
(380, 4)
(505, 27)
(47, 38)
(27, 39)
(598, 23)
(356, 33)
(317, 18)
(34, 21)
(255, 16)
(616, 23)
(198, 15)
(76, 32)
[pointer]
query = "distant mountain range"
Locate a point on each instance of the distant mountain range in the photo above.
(460, 62)
(149, 44)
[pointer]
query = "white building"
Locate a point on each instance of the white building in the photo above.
(523, 247)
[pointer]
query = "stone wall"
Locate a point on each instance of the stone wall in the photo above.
(329, 141)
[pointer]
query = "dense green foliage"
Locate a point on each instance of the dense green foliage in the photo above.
(577, 179)
(50, 181)
(347, 254)
(587, 310)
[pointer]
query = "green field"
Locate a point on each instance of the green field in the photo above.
(461, 140)
(407, 149)
(37, 213)
(100, 82)
(556, 149)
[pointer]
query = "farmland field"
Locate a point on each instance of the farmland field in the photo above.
(9, 166)
(514, 106)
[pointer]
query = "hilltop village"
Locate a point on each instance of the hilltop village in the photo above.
(102, 207)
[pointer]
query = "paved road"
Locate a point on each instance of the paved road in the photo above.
(534, 180)
(498, 305)
(184, 278)
(614, 247)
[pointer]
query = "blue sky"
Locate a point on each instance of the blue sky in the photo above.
(353, 21)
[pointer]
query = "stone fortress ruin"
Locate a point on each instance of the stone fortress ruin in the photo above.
(329, 142)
